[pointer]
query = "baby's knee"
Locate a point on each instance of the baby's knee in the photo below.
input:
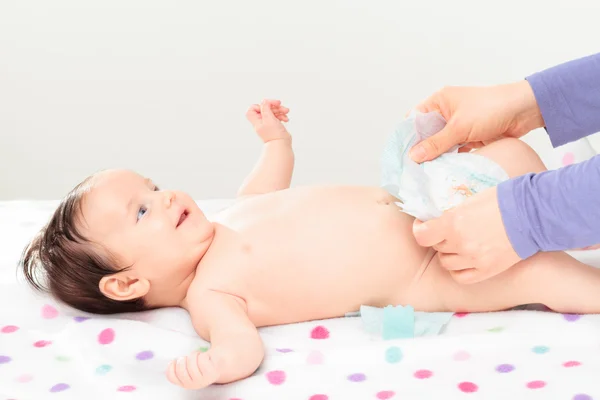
(514, 156)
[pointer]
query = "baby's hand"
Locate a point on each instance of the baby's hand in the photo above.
(266, 119)
(196, 371)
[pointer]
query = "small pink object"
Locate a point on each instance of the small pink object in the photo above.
(570, 364)
(315, 358)
(461, 356)
(319, 397)
(9, 329)
(24, 378)
(49, 312)
(468, 387)
(385, 395)
(42, 343)
(568, 159)
(536, 384)
(106, 336)
(461, 314)
(128, 388)
(276, 377)
(319, 332)
(423, 374)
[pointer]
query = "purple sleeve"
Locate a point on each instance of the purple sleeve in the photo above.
(553, 210)
(569, 97)
(560, 209)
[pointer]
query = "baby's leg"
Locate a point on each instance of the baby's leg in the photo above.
(554, 279)
(514, 156)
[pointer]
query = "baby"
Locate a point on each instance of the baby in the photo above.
(117, 243)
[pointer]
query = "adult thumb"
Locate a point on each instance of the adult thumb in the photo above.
(434, 146)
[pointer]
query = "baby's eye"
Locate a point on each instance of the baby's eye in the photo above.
(141, 212)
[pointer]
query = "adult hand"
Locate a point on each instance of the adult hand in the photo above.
(477, 116)
(470, 239)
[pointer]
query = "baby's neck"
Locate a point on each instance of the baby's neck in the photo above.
(174, 293)
(222, 237)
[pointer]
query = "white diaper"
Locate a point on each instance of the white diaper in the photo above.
(427, 190)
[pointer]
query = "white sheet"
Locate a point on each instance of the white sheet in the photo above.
(541, 355)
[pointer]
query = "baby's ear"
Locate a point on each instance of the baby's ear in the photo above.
(122, 287)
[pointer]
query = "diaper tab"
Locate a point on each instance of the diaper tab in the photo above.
(401, 322)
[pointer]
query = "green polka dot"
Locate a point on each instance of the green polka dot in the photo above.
(103, 369)
(540, 349)
(393, 355)
(202, 349)
(496, 329)
(62, 358)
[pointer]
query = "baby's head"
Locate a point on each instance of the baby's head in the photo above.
(117, 243)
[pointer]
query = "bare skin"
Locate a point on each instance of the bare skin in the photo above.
(282, 255)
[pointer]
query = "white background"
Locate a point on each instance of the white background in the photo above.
(162, 86)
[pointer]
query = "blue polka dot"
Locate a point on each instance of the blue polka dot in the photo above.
(540, 349)
(103, 369)
(393, 355)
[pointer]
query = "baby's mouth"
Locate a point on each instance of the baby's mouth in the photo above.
(182, 218)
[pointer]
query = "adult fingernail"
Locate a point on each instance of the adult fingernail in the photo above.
(417, 153)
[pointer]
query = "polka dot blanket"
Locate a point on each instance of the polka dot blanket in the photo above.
(48, 351)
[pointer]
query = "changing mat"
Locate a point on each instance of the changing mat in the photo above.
(51, 352)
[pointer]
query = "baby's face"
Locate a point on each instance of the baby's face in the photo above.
(161, 234)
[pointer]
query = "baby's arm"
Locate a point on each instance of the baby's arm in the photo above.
(236, 349)
(276, 164)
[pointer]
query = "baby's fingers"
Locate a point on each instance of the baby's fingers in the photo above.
(207, 368)
(182, 372)
(253, 114)
(193, 368)
(171, 375)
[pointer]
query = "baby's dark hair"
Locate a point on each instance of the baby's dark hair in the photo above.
(73, 266)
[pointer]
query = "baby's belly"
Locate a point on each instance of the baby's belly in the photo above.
(328, 255)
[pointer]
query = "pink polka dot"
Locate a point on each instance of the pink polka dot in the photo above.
(128, 388)
(568, 158)
(423, 374)
(468, 387)
(461, 314)
(9, 329)
(570, 364)
(24, 378)
(319, 397)
(385, 395)
(461, 356)
(315, 358)
(536, 384)
(319, 332)
(276, 377)
(42, 343)
(49, 312)
(106, 336)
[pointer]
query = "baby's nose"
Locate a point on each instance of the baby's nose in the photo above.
(168, 197)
